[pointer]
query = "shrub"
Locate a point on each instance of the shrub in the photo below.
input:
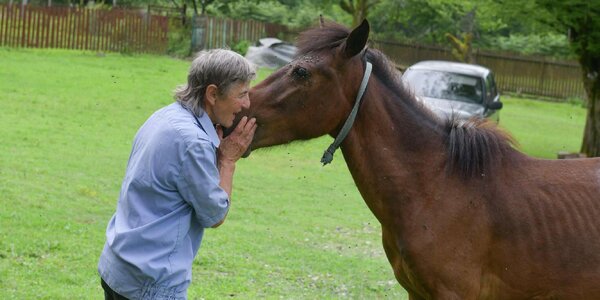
(180, 38)
(241, 47)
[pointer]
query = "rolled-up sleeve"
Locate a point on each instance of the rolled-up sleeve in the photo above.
(199, 184)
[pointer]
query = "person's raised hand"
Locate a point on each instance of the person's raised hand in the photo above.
(235, 144)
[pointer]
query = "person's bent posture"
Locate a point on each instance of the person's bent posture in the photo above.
(178, 181)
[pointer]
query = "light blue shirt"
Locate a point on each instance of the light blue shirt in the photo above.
(170, 193)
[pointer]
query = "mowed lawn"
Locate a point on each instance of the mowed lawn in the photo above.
(542, 129)
(296, 230)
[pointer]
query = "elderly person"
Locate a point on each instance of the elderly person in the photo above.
(178, 181)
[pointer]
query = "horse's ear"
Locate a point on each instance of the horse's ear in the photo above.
(357, 40)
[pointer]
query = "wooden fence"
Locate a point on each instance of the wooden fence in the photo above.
(517, 74)
(222, 32)
(81, 28)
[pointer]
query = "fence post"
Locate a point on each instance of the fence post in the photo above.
(198, 30)
(542, 76)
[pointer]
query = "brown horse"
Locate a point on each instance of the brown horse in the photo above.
(463, 214)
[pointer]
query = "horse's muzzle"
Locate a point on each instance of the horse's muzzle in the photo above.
(248, 151)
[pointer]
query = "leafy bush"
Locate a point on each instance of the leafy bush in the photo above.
(554, 45)
(241, 47)
(180, 38)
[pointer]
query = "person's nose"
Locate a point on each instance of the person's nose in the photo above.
(246, 102)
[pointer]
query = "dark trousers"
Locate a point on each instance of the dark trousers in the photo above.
(109, 294)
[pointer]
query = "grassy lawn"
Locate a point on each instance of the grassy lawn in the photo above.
(297, 230)
(542, 129)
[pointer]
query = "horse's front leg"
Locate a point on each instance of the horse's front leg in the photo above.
(401, 270)
(415, 297)
(416, 288)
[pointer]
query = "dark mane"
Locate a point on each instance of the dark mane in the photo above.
(473, 147)
(316, 39)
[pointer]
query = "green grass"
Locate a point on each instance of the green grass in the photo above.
(542, 129)
(296, 230)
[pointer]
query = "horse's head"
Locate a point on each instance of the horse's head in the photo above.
(312, 95)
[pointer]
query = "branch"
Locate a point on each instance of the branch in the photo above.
(347, 6)
(175, 3)
(373, 3)
(195, 7)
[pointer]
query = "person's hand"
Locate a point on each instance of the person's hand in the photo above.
(235, 144)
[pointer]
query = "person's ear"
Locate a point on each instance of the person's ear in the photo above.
(210, 95)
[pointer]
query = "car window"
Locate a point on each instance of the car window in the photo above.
(445, 85)
(491, 87)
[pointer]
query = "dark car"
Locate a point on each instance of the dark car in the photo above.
(271, 53)
(455, 89)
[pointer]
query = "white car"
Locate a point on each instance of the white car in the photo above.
(455, 89)
(271, 53)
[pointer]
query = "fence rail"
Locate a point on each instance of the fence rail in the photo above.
(518, 74)
(81, 28)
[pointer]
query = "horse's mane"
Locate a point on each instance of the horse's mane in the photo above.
(316, 39)
(473, 147)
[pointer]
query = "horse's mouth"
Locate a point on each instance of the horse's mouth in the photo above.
(248, 152)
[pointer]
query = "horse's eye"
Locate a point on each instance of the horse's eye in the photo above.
(300, 73)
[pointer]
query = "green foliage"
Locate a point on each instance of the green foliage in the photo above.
(241, 47)
(550, 44)
(180, 38)
(517, 26)
(294, 14)
(416, 20)
(308, 15)
(581, 19)
(265, 11)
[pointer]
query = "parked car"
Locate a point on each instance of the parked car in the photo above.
(271, 53)
(451, 88)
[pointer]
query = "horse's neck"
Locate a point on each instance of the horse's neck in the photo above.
(390, 152)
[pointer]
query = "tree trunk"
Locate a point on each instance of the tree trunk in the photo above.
(361, 14)
(359, 9)
(590, 64)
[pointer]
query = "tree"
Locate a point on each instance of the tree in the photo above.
(359, 9)
(203, 4)
(580, 20)
(424, 21)
(461, 48)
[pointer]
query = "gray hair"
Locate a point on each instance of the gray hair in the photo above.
(219, 67)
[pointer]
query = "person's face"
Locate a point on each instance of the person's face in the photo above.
(226, 106)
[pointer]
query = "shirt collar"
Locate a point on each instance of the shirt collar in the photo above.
(209, 128)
